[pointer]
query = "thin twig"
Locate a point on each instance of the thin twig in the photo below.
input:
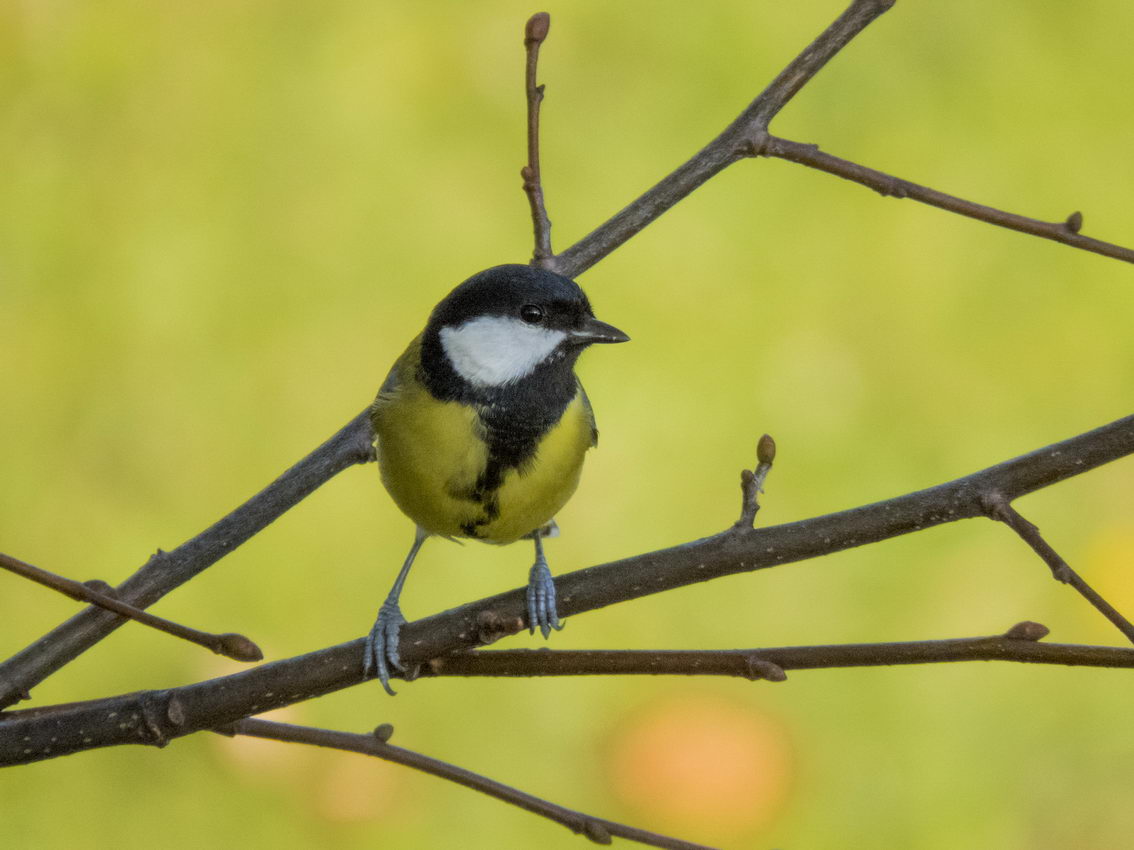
(998, 507)
(156, 717)
(596, 829)
(1065, 231)
(1019, 644)
(752, 482)
(231, 645)
(168, 570)
(534, 33)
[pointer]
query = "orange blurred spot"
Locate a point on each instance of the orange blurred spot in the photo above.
(260, 757)
(340, 787)
(704, 765)
(357, 788)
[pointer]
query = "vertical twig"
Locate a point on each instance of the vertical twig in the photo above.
(534, 33)
(752, 482)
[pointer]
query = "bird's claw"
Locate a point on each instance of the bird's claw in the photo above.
(381, 650)
(541, 600)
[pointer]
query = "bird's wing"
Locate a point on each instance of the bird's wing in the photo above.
(390, 385)
(400, 372)
(398, 377)
(386, 393)
(590, 414)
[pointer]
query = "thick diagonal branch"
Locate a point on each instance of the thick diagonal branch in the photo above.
(748, 136)
(732, 145)
(158, 716)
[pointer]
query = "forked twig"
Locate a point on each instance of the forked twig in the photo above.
(748, 136)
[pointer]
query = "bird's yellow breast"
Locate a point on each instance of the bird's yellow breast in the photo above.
(432, 453)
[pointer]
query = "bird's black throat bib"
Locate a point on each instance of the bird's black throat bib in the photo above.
(514, 416)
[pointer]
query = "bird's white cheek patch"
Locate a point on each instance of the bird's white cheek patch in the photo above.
(495, 350)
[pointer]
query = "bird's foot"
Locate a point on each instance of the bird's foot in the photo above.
(381, 650)
(541, 600)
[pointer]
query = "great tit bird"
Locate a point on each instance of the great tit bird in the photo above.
(481, 426)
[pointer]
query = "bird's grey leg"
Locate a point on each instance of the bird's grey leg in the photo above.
(548, 529)
(541, 593)
(381, 650)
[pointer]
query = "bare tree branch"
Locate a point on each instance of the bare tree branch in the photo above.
(153, 717)
(999, 508)
(732, 145)
(598, 830)
(156, 717)
(746, 136)
(168, 570)
(231, 645)
(1019, 644)
(1065, 232)
(534, 33)
(441, 644)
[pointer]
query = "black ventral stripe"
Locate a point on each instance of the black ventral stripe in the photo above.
(514, 417)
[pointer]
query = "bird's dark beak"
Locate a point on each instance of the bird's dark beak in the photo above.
(592, 330)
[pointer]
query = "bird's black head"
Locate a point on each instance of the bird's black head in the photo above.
(509, 323)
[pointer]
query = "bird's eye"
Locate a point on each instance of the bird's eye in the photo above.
(531, 314)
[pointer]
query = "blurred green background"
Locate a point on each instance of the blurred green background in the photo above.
(222, 221)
